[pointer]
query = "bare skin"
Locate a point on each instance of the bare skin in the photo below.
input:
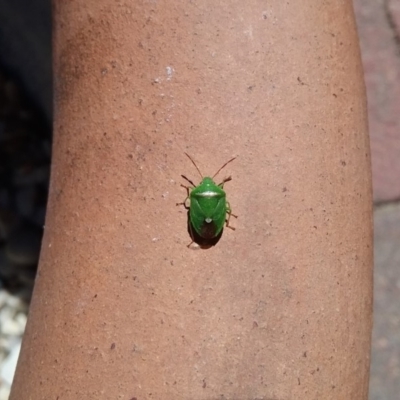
(281, 307)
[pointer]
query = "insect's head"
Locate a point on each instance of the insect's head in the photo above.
(207, 181)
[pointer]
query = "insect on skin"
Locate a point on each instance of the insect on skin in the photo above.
(208, 208)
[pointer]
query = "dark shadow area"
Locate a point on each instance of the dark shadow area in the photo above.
(25, 49)
(25, 153)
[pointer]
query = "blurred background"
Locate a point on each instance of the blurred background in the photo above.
(25, 150)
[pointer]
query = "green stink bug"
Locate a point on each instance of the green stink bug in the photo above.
(208, 207)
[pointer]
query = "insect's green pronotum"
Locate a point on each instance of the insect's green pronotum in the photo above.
(208, 207)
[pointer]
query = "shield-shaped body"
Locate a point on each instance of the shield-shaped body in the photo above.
(208, 208)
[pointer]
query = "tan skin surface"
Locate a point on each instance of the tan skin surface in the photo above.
(280, 308)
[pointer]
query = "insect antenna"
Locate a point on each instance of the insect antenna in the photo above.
(223, 167)
(191, 159)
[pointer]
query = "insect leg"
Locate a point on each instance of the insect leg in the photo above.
(184, 203)
(229, 178)
(187, 179)
(191, 236)
(229, 212)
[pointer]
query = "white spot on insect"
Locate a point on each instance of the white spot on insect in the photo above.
(170, 72)
(155, 239)
(208, 220)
